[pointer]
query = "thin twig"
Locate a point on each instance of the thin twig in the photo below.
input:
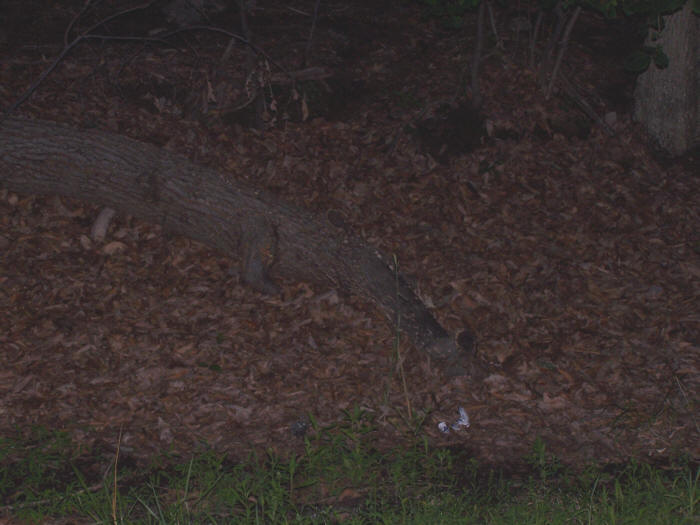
(307, 51)
(476, 89)
(235, 36)
(562, 49)
(66, 49)
(492, 18)
(251, 57)
(552, 43)
(84, 10)
(298, 11)
(161, 38)
(229, 48)
(245, 28)
(571, 91)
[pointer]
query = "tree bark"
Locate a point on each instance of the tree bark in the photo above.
(270, 237)
(667, 101)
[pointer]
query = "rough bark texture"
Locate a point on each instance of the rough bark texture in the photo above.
(268, 236)
(667, 101)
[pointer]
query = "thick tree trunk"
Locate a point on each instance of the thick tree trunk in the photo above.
(269, 236)
(667, 101)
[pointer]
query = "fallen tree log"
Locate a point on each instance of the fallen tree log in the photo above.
(270, 237)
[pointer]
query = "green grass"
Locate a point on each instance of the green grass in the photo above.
(338, 478)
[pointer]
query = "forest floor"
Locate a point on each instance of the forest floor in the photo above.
(574, 255)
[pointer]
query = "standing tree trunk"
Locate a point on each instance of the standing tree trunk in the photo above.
(269, 236)
(667, 100)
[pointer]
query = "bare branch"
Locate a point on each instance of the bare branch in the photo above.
(562, 49)
(66, 49)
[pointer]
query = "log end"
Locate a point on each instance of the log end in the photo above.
(457, 357)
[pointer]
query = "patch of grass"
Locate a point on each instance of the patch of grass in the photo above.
(339, 477)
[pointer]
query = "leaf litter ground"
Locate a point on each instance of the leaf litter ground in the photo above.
(575, 257)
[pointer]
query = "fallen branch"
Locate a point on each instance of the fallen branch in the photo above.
(269, 237)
